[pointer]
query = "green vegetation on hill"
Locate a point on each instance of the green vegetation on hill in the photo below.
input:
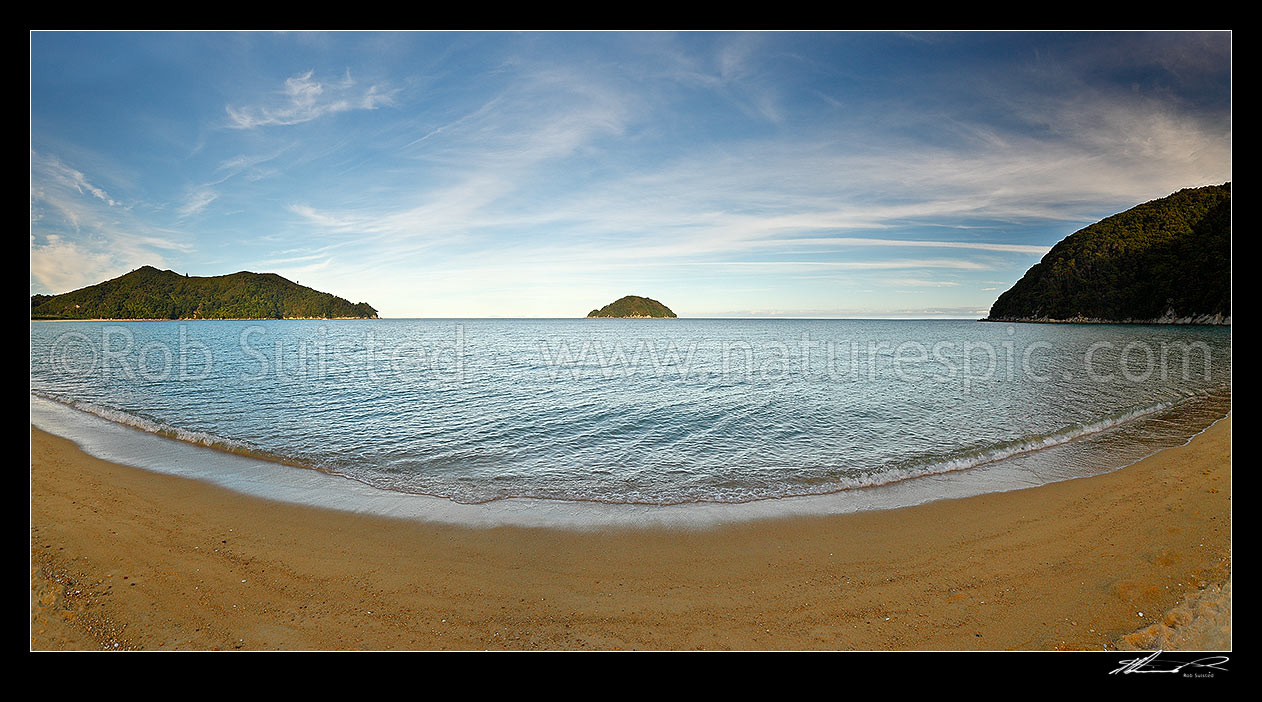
(633, 306)
(1164, 260)
(148, 293)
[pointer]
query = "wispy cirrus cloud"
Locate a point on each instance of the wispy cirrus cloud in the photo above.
(76, 179)
(51, 177)
(248, 165)
(916, 243)
(197, 198)
(81, 235)
(791, 196)
(792, 171)
(895, 264)
(196, 201)
(60, 264)
(303, 99)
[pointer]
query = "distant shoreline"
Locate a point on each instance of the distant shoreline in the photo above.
(1226, 323)
(1199, 321)
(186, 319)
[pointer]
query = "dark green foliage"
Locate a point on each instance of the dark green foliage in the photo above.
(148, 293)
(632, 306)
(1166, 258)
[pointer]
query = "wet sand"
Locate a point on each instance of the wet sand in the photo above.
(127, 559)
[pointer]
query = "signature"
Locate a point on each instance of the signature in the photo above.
(1150, 664)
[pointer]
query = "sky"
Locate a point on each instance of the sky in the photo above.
(545, 174)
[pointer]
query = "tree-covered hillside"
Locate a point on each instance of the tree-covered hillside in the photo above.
(1164, 260)
(633, 306)
(149, 293)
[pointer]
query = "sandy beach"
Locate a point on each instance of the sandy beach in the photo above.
(122, 558)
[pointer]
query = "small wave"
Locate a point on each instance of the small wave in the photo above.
(972, 458)
(189, 436)
(921, 467)
(904, 471)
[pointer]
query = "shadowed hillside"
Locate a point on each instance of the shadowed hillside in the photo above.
(1165, 261)
(149, 293)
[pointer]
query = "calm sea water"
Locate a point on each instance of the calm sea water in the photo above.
(647, 411)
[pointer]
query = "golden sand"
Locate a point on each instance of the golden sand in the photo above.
(123, 558)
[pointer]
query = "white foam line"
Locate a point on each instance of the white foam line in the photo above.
(144, 424)
(124, 444)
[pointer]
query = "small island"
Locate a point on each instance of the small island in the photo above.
(1167, 261)
(149, 293)
(633, 307)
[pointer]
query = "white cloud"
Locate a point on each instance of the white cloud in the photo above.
(810, 196)
(915, 243)
(242, 162)
(196, 201)
(921, 283)
(49, 170)
(304, 99)
(601, 170)
(80, 235)
(60, 265)
(895, 264)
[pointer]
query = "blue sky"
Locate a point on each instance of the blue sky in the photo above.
(542, 174)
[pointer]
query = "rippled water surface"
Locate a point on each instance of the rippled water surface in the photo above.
(646, 411)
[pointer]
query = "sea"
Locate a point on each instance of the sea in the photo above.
(628, 421)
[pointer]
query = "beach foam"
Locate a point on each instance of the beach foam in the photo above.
(130, 445)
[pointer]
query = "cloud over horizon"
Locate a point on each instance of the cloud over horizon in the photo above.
(477, 173)
(303, 99)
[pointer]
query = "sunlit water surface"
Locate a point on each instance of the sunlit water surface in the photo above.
(647, 412)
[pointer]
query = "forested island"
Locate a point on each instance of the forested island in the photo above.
(633, 307)
(1167, 261)
(149, 293)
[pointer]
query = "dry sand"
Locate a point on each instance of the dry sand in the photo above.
(127, 559)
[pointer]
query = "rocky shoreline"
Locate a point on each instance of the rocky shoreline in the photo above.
(1202, 319)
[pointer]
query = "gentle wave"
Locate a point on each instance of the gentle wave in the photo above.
(738, 428)
(964, 460)
(188, 436)
(922, 467)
